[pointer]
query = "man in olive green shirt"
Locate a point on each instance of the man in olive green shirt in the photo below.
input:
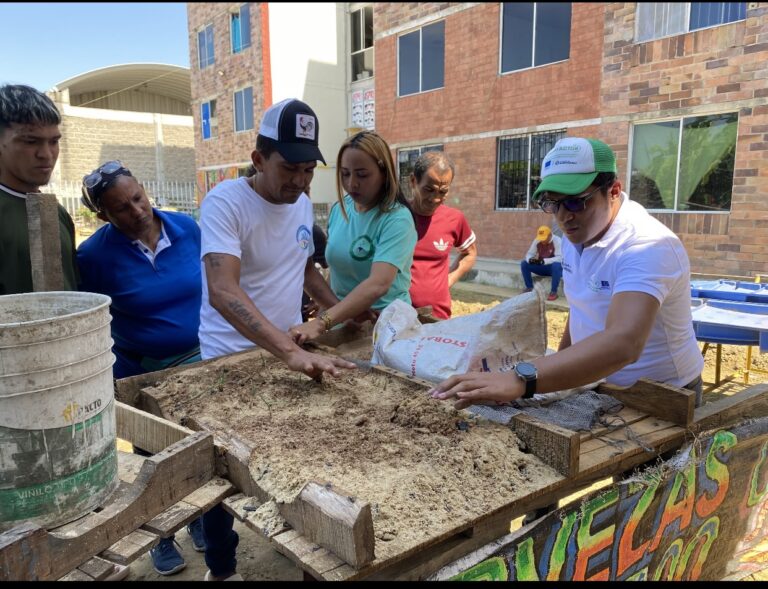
(29, 148)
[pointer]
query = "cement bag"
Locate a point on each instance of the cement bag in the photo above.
(492, 340)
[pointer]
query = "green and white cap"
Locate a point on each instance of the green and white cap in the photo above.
(572, 165)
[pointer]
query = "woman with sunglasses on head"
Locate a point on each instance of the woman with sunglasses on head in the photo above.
(627, 281)
(371, 237)
(148, 262)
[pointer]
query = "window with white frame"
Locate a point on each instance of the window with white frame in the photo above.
(421, 59)
(361, 28)
(244, 109)
(662, 19)
(205, 47)
(519, 167)
(208, 120)
(406, 159)
(684, 164)
(534, 34)
(240, 28)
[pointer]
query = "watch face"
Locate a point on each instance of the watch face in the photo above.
(526, 369)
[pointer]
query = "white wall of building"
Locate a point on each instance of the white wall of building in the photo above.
(307, 53)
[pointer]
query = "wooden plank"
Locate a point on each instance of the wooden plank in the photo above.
(335, 520)
(296, 547)
(556, 446)
(25, 553)
(76, 575)
(346, 334)
(97, 568)
(128, 390)
(668, 402)
(391, 371)
(749, 403)
(44, 242)
(128, 466)
(627, 416)
(240, 506)
(210, 494)
(165, 478)
(233, 456)
(148, 432)
(131, 547)
(172, 519)
(599, 457)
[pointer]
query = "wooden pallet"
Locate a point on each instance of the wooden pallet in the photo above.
(156, 496)
(334, 547)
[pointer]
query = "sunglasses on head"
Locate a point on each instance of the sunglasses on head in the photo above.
(574, 204)
(95, 182)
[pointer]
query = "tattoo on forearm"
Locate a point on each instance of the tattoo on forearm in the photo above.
(213, 260)
(244, 315)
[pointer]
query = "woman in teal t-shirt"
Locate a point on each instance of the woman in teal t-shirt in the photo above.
(371, 236)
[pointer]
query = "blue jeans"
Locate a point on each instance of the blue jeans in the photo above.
(555, 270)
(220, 541)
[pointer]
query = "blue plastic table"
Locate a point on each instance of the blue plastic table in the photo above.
(733, 323)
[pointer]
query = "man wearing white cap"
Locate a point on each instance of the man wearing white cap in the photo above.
(257, 259)
(543, 258)
(627, 281)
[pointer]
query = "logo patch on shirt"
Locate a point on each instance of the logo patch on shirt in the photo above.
(303, 236)
(361, 248)
(596, 285)
(441, 245)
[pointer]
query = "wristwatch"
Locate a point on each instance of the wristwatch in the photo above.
(527, 373)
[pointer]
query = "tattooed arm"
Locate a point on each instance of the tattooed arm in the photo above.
(225, 295)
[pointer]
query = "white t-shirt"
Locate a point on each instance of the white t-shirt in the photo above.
(637, 254)
(273, 243)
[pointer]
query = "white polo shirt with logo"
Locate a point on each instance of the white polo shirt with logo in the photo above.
(636, 254)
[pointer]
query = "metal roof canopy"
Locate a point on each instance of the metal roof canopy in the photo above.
(172, 81)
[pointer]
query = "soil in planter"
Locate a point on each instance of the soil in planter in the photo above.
(424, 467)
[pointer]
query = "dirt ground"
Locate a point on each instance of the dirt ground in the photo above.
(257, 561)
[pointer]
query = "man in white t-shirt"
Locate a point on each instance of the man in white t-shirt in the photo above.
(627, 281)
(257, 260)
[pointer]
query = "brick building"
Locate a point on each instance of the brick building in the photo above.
(245, 57)
(677, 89)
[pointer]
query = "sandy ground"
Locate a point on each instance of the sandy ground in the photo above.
(257, 561)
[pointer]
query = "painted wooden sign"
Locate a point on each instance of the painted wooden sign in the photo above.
(702, 515)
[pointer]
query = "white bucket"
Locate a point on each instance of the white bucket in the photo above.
(58, 457)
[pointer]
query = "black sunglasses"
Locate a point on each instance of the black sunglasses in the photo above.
(98, 180)
(575, 204)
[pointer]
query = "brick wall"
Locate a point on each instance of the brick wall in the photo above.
(87, 143)
(229, 73)
(720, 69)
(477, 99)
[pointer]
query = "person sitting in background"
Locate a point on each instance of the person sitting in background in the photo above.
(439, 228)
(544, 258)
(148, 262)
(371, 237)
(29, 148)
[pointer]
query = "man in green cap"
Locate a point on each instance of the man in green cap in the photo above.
(627, 281)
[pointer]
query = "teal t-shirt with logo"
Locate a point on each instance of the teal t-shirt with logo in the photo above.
(354, 245)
